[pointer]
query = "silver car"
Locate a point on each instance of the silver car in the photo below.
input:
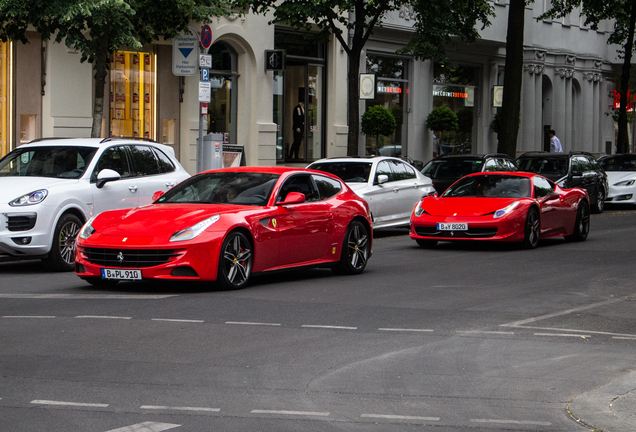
(391, 186)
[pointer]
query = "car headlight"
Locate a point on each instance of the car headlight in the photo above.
(87, 230)
(418, 209)
(194, 230)
(504, 211)
(35, 197)
(624, 183)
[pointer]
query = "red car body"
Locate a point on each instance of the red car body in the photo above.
(280, 234)
(504, 217)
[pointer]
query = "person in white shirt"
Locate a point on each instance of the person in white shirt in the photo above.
(555, 143)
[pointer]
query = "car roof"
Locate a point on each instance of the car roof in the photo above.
(97, 142)
(264, 169)
(544, 154)
(474, 156)
(509, 173)
(353, 159)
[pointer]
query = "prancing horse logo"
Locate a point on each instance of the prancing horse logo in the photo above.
(120, 257)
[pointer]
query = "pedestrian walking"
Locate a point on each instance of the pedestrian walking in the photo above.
(555, 143)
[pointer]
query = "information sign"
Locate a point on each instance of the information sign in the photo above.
(185, 52)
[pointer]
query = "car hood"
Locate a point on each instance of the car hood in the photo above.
(14, 187)
(158, 219)
(466, 207)
(616, 176)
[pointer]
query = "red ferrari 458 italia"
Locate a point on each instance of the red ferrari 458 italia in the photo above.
(226, 224)
(502, 206)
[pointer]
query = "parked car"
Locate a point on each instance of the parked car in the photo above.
(226, 224)
(621, 176)
(570, 170)
(447, 169)
(502, 206)
(390, 185)
(50, 187)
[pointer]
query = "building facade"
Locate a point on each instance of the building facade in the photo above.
(567, 84)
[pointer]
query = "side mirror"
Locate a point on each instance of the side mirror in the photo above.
(383, 178)
(105, 176)
(433, 194)
(157, 195)
(577, 174)
(293, 198)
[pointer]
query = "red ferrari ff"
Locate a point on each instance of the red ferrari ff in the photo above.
(502, 206)
(226, 224)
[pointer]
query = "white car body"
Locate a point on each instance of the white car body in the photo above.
(27, 229)
(392, 201)
(622, 187)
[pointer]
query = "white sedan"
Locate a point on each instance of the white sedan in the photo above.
(391, 186)
(621, 176)
(50, 188)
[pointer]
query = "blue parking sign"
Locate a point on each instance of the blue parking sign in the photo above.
(205, 75)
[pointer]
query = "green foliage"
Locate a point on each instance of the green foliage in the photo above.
(378, 120)
(442, 119)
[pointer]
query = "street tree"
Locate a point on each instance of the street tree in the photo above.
(97, 28)
(623, 13)
(439, 24)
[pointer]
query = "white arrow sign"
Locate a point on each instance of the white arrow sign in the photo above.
(146, 427)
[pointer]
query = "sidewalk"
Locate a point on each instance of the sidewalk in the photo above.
(611, 408)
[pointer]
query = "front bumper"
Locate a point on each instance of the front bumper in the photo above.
(621, 195)
(24, 233)
(509, 228)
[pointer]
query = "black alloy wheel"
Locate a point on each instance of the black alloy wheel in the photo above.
(532, 229)
(62, 255)
(235, 261)
(355, 250)
(582, 226)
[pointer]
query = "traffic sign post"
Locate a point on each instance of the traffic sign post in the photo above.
(205, 89)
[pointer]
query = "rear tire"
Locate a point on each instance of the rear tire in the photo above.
(426, 243)
(582, 225)
(355, 250)
(600, 201)
(235, 261)
(61, 258)
(532, 229)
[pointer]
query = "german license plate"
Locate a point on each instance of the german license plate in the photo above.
(452, 226)
(121, 274)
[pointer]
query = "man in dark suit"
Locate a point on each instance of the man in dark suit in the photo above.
(298, 126)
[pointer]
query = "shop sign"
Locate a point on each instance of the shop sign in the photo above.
(389, 89)
(275, 60)
(450, 94)
(617, 101)
(367, 86)
(185, 54)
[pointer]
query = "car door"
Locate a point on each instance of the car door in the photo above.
(382, 198)
(552, 205)
(122, 193)
(408, 189)
(150, 172)
(305, 229)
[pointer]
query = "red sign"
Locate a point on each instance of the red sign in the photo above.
(617, 101)
(206, 36)
(204, 108)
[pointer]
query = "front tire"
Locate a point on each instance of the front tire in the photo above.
(356, 249)
(61, 258)
(532, 229)
(235, 261)
(600, 201)
(582, 227)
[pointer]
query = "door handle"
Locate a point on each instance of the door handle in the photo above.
(132, 188)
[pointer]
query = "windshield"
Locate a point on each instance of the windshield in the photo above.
(451, 168)
(549, 167)
(236, 188)
(47, 161)
(490, 186)
(351, 172)
(619, 163)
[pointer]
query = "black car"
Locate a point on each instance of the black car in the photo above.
(569, 170)
(446, 170)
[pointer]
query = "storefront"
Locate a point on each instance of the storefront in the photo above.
(299, 100)
(221, 116)
(5, 97)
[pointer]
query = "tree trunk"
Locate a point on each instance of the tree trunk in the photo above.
(622, 142)
(513, 76)
(100, 68)
(354, 102)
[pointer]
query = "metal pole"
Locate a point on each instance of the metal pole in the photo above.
(200, 144)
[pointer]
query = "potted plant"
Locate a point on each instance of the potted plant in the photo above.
(442, 119)
(377, 121)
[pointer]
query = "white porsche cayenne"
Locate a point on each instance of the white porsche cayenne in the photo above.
(49, 188)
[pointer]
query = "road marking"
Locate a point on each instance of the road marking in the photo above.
(103, 317)
(75, 404)
(329, 327)
(579, 331)
(485, 332)
(398, 417)
(283, 412)
(28, 316)
(563, 335)
(146, 427)
(623, 337)
(177, 320)
(556, 314)
(87, 296)
(251, 323)
(405, 330)
(177, 408)
(519, 422)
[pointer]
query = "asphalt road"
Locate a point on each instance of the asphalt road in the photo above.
(463, 337)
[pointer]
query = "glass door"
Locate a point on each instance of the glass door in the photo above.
(315, 105)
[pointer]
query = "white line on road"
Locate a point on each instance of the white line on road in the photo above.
(178, 408)
(563, 335)
(75, 404)
(177, 320)
(405, 330)
(103, 317)
(519, 422)
(28, 316)
(484, 332)
(283, 412)
(556, 314)
(624, 337)
(578, 331)
(398, 417)
(146, 427)
(329, 327)
(86, 296)
(251, 323)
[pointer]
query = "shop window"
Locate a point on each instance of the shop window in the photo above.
(5, 98)
(27, 128)
(132, 94)
(168, 131)
(221, 117)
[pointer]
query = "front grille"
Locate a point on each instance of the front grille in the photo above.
(471, 233)
(21, 222)
(129, 258)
